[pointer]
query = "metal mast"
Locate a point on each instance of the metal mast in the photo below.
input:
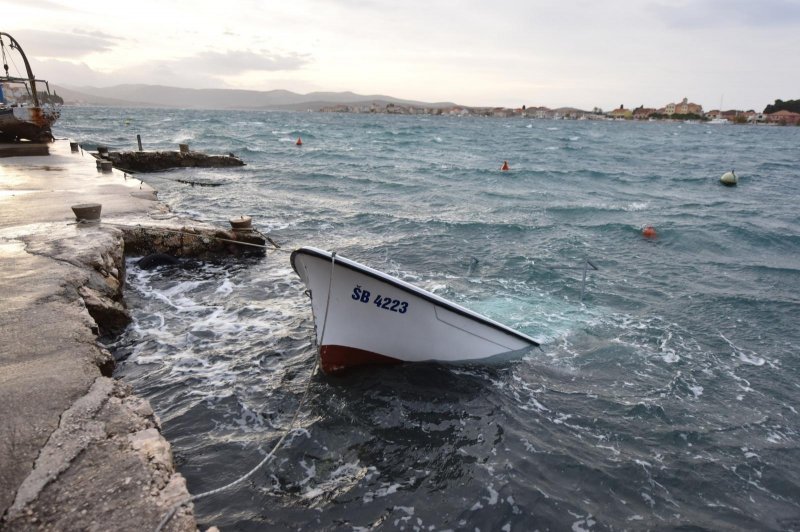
(31, 79)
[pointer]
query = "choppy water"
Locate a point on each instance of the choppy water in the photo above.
(668, 399)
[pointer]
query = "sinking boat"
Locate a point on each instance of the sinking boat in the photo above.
(27, 108)
(364, 316)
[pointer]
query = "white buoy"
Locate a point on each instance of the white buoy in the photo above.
(729, 179)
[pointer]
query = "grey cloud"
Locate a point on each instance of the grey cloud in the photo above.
(63, 45)
(65, 72)
(727, 13)
(97, 35)
(203, 70)
(80, 75)
(237, 62)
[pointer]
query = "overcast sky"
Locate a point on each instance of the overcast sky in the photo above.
(582, 53)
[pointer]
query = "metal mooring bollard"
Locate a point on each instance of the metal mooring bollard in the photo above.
(87, 212)
(106, 166)
(73, 147)
(241, 224)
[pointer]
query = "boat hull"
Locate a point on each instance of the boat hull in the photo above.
(27, 123)
(368, 317)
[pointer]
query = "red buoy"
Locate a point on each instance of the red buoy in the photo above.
(299, 142)
(505, 167)
(649, 232)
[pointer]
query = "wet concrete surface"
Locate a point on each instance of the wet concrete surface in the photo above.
(78, 451)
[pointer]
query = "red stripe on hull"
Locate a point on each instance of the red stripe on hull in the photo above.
(336, 358)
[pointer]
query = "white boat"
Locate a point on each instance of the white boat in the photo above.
(719, 119)
(364, 316)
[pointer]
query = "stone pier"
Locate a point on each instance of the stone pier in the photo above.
(78, 450)
(158, 161)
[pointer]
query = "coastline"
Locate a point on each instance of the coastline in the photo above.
(80, 450)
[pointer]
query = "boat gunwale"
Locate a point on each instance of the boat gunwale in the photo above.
(409, 288)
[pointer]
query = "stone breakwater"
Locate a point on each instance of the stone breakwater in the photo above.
(157, 161)
(77, 449)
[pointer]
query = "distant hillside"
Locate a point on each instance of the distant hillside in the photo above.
(163, 96)
(71, 96)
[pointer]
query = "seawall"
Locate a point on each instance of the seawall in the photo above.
(78, 450)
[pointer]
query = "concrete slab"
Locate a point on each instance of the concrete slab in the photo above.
(43, 188)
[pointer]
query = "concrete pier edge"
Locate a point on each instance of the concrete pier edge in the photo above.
(79, 450)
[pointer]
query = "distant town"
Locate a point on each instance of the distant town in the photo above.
(683, 111)
(778, 113)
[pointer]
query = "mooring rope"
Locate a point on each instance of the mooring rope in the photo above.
(328, 301)
(247, 475)
(250, 473)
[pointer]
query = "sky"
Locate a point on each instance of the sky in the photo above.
(580, 53)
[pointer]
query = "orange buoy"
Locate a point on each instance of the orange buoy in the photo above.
(649, 232)
(299, 142)
(505, 167)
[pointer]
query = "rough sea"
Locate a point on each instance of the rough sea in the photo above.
(667, 399)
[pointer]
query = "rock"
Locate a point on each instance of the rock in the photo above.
(153, 447)
(105, 361)
(154, 260)
(110, 316)
(112, 283)
(196, 242)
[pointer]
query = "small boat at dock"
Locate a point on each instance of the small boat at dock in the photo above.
(27, 108)
(364, 316)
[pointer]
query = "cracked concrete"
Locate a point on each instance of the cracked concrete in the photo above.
(105, 468)
(77, 428)
(77, 450)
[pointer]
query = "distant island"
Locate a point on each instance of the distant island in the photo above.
(777, 114)
(138, 95)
